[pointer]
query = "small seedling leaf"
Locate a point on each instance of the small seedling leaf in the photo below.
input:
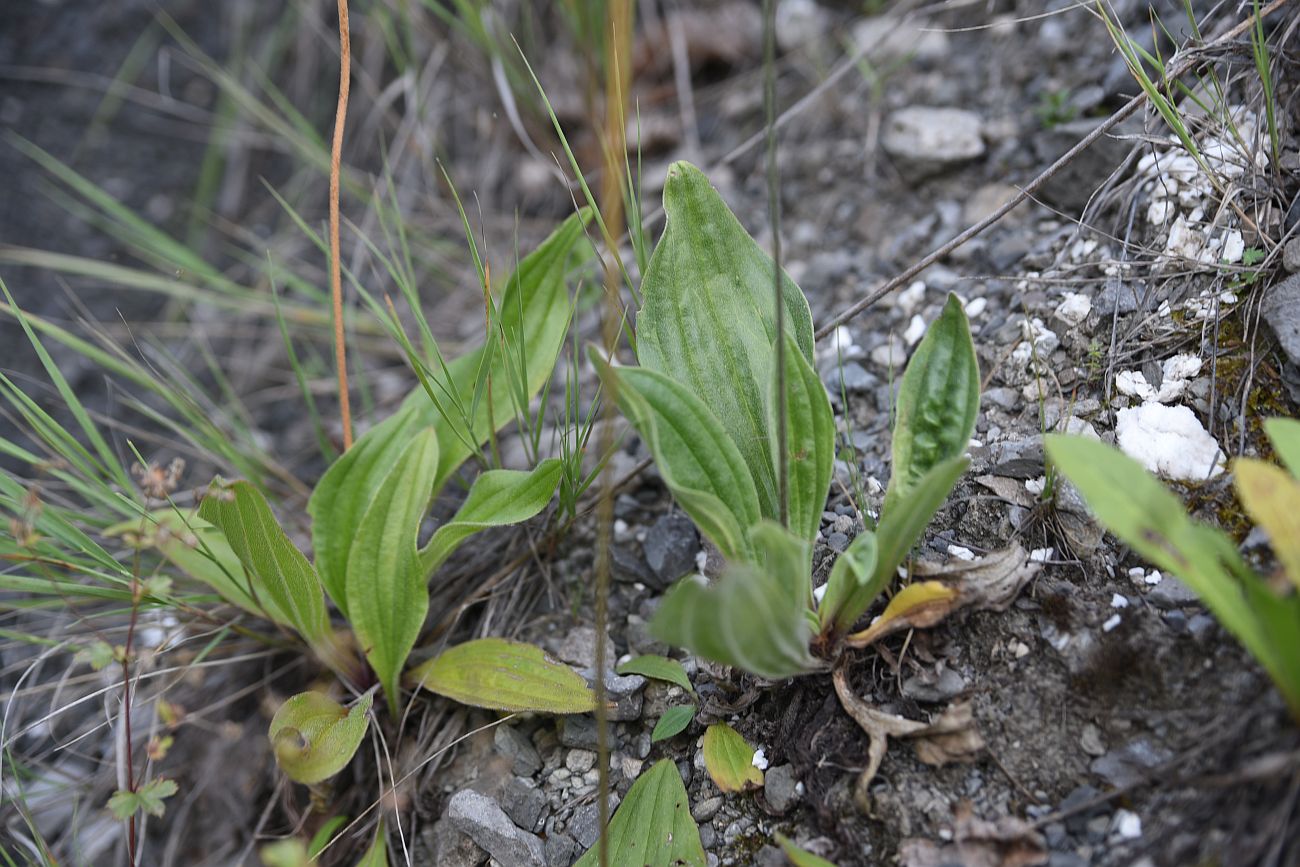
(709, 322)
(730, 759)
(653, 826)
(672, 723)
(852, 570)
(1284, 434)
(497, 498)
(810, 440)
(387, 593)
(148, 798)
(377, 854)
(658, 667)
(1272, 498)
(279, 571)
(800, 857)
(938, 401)
(698, 461)
(314, 737)
(505, 675)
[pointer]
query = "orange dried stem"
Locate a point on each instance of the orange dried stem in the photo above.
(336, 278)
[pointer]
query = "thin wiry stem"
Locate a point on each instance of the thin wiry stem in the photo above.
(336, 278)
(774, 215)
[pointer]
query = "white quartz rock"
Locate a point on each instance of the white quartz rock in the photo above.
(1168, 440)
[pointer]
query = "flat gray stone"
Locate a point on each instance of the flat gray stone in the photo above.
(515, 745)
(451, 848)
(578, 731)
(934, 687)
(585, 825)
(1130, 763)
(1172, 593)
(523, 802)
(483, 821)
(670, 547)
(927, 140)
(781, 788)
(1281, 310)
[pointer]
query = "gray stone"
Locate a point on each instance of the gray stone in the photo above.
(708, 837)
(585, 824)
(780, 787)
(1202, 627)
(1067, 859)
(561, 850)
(707, 809)
(1130, 763)
(629, 567)
(853, 377)
(580, 761)
(1074, 184)
(523, 802)
(1117, 296)
(639, 639)
(1281, 309)
(482, 819)
(670, 547)
(514, 745)
(1002, 397)
(450, 847)
(1171, 593)
(934, 686)
(578, 731)
(837, 541)
(1016, 459)
(1077, 821)
(1291, 256)
(579, 647)
(927, 140)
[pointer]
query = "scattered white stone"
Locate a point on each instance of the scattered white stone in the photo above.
(1168, 440)
(1234, 247)
(1020, 650)
(1184, 241)
(961, 553)
(1074, 309)
(701, 561)
(1041, 555)
(799, 22)
(1134, 384)
(1159, 211)
(620, 526)
(933, 139)
(1118, 600)
(1038, 340)
(1036, 486)
(891, 353)
(892, 38)
(911, 297)
(975, 307)
(840, 345)
(819, 593)
(1111, 623)
(915, 331)
(1127, 824)
(760, 760)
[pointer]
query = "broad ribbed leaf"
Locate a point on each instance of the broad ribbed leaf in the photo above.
(314, 737)
(852, 572)
(1284, 434)
(709, 321)
(1272, 499)
(898, 530)
(658, 667)
(497, 498)
(653, 826)
(387, 591)
(672, 723)
(1141, 513)
(938, 401)
(346, 491)
(787, 558)
(810, 440)
(505, 675)
(730, 760)
(745, 621)
(279, 570)
(699, 463)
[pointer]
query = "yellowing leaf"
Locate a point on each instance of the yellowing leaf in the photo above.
(730, 760)
(314, 737)
(505, 675)
(653, 826)
(916, 606)
(1273, 500)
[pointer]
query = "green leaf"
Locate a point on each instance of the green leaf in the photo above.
(148, 798)
(938, 401)
(898, 530)
(314, 737)
(279, 570)
(201, 551)
(699, 463)
(1140, 512)
(810, 440)
(787, 558)
(800, 857)
(745, 621)
(729, 759)
(497, 498)
(377, 854)
(653, 825)
(505, 675)
(658, 667)
(346, 491)
(673, 722)
(852, 571)
(709, 322)
(325, 834)
(1284, 434)
(388, 595)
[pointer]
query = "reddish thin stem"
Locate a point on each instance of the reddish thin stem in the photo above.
(336, 278)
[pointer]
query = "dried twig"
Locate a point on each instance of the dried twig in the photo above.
(336, 278)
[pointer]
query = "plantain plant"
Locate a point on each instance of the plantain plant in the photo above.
(705, 400)
(367, 512)
(1262, 611)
